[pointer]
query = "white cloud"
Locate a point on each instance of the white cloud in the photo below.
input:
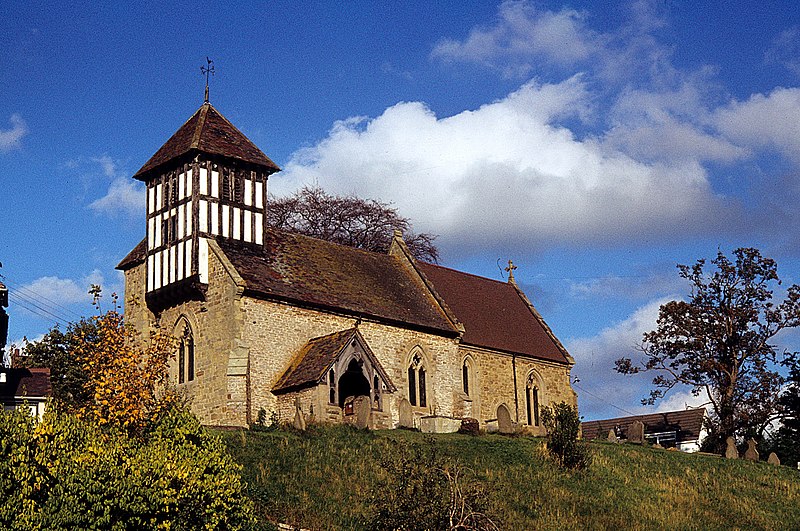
(519, 34)
(508, 171)
(785, 50)
(643, 286)
(764, 121)
(62, 290)
(12, 138)
(125, 197)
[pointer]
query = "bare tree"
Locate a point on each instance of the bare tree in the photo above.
(347, 220)
(718, 342)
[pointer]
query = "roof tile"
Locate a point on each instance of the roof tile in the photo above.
(493, 314)
(307, 270)
(207, 131)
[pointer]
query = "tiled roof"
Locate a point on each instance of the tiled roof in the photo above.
(314, 359)
(311, 363)
(687, 423)
(494, 314)
(325, 275)
(137, 256)
(207, 131)
(34, 383)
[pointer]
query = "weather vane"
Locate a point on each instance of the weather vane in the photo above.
(206, 70)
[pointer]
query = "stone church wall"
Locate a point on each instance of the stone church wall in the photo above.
(275, 332)
(243, 345)
(216, 398)
(493, 379)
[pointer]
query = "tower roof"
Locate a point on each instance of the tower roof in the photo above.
(207, 131)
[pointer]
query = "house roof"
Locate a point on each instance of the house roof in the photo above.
(687, 423)
(207, 131)
(494, 314)
(33, 383)
(322, 274)
(309, 365)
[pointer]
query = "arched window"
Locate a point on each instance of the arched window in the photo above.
(332, 387)
(376, 390)
(532, 400)
(185, 353)
(417, 388)
(465, 377)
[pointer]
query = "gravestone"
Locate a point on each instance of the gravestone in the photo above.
(751, 453)
(636, 432)
(612, 437)
(730, 451)
(504, 422)
(362, 406)
(406, 415)
(773, 459)
(299, 419)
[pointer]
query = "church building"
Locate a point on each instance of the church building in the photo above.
(274, 321)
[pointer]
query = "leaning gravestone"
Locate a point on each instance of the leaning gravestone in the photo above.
(636, 432)
(751, 453)
(362, 407)
(773, 459)
(504, 423)
(730, 450)
(406, 415)
(612, 437)
(299, 419)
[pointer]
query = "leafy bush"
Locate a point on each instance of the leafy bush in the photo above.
(68, 473)
(563, 424)
(423, 490)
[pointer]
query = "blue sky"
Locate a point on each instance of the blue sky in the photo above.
(596, 144)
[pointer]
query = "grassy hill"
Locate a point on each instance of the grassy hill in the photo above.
(325, 478)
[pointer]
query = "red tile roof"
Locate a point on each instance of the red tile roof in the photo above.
(321, 274)
(688, 423)
(494, 314)
(311, 363)
(207, 131)
(34, 383)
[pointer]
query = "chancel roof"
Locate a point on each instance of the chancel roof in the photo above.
(207, 131)
(687, 423)
(310, 364)
(495, 314)
(317, 273)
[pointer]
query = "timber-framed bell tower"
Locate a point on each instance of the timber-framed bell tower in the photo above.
(207, 181)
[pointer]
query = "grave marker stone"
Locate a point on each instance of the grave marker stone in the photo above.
(636, 432)
(751, 453)
(406, 415)
(730, 450)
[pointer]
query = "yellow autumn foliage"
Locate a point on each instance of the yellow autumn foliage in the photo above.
(127, 383)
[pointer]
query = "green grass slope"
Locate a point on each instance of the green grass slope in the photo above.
(325, 477)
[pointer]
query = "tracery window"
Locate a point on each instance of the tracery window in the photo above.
(186, 354)
(417, 388)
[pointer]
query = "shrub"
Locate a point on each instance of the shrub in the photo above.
(423, 490)
(563, 424)
(68, 473)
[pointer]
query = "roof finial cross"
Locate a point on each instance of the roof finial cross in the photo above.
(511, 267)
(206, 70)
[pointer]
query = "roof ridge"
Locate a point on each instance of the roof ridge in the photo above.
(503, 282)
(198, 128)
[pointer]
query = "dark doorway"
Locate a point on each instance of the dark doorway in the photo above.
(353, 383)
